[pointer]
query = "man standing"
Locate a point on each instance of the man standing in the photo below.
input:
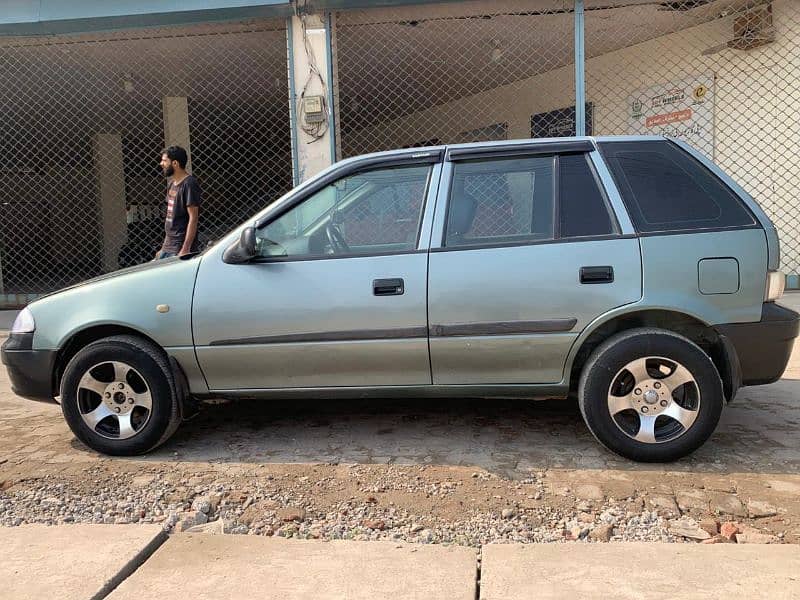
(183, 205)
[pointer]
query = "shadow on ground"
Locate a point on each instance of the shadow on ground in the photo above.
(760, 432)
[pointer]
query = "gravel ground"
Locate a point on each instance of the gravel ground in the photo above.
(412, 504)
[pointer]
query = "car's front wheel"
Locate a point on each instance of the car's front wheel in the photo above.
(118, 398)
(650, 395)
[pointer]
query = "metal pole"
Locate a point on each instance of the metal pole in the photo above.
(292, 103)
(331, 107)
(580, 71)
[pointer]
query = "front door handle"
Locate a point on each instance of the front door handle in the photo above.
(388, 287)
(597, 274)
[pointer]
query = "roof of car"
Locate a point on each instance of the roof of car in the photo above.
(422, 151)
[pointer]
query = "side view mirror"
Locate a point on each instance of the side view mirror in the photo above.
(243, 250)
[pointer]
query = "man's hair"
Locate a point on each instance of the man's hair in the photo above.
(176, 153)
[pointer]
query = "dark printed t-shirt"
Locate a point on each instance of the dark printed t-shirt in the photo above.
(179, 196)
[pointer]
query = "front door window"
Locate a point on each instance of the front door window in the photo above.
(373, 212)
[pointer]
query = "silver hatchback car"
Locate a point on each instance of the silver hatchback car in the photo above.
(629, 272)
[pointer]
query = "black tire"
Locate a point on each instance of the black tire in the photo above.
(612, 356)
(151, 363)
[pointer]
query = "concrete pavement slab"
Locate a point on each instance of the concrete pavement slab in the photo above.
(72, 562)
(618, 571)
(791, 299)
(231, 567)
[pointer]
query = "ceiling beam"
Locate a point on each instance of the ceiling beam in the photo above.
(52, 17)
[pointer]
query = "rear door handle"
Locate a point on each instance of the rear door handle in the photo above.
(597, 274)
(388, 287)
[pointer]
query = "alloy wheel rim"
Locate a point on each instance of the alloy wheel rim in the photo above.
(114, 400)
(654, 400)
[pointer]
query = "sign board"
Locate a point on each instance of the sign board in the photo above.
(681, 109)
(559, 122)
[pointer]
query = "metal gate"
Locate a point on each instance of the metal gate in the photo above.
(85, 118)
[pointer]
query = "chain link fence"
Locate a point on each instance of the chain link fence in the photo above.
(450, 73)
(85, 116)
(724, 75)
(84, 120)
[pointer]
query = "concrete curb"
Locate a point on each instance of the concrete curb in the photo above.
(131, 562)
(631, 570)
(234, 567)
(72, 562)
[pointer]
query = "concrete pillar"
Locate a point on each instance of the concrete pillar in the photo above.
(311, 157)
(176, 125)
(110, 176)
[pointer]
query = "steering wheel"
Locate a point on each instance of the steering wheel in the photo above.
(336, 239)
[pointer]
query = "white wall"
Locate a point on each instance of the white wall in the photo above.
(513, 104)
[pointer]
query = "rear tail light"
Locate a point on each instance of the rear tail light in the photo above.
(776, 283)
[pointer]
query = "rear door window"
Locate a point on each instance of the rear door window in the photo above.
(667, 189)
(526, 200)
(501, 201)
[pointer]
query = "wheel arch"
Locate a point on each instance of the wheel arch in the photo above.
(83, 337)
(718, 348)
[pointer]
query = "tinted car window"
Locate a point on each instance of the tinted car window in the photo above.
(504, 200)
(666, 189)
(583, 210)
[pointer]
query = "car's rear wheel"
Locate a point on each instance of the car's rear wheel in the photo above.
(650, 395)
(118, 397)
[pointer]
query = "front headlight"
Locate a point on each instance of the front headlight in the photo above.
(776, 282)
(24, 322)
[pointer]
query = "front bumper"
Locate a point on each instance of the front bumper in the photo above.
(763, 348)
(30, 371)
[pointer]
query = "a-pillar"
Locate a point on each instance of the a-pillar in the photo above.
(176, 125)
(110, 174)
(310, 155)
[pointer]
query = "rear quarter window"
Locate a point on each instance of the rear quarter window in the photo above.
(666, 189)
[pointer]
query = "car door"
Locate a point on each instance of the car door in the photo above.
(337, 294)
(525, 254)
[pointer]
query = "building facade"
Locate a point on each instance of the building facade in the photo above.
(266, 94)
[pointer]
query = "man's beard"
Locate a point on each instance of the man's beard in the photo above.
(169, 171)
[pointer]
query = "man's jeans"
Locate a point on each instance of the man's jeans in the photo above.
(162, 255)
